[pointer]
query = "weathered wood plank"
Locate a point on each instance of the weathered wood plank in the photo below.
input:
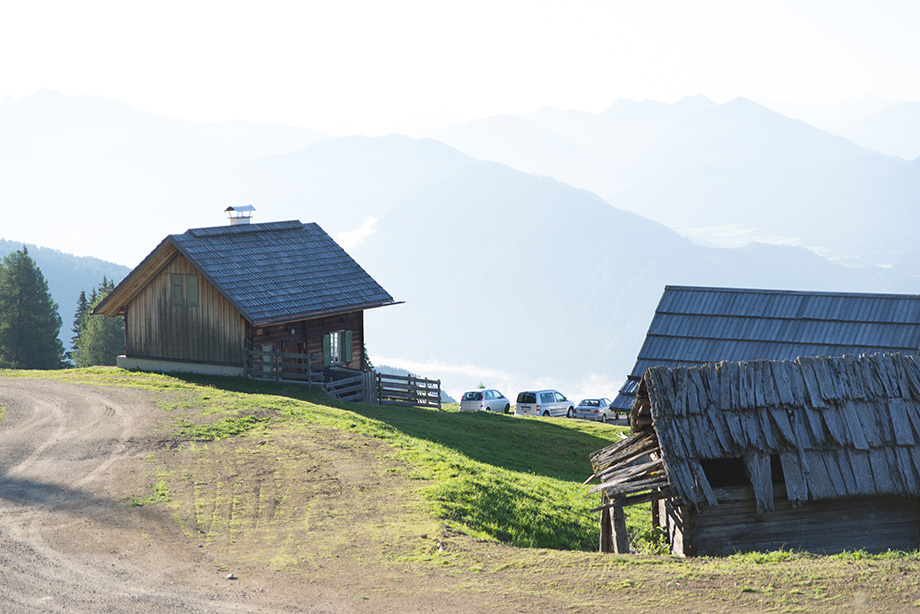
(900, 422)
(702, 482)
(654, 495)
(758, 467)
(834, 423)
(783, 425)
(871, 523)
(794, 477)
(812, 388)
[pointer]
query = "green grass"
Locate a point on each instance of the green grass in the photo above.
(516, 480)
(284, 478)
(228, 427)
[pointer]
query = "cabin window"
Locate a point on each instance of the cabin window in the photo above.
(177, 289)
(337, 347)
(266, 357)
(191, 290)
(184, 290)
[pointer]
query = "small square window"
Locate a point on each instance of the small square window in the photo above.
(177, 294)
(191, 290)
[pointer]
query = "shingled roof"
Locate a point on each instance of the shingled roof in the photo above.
(696, 325)
(841, 427)
(271, 272)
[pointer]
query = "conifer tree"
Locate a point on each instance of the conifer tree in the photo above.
(101, 338)
(83, 309)
(29, 319)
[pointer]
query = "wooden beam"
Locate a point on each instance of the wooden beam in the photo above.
(618, 526)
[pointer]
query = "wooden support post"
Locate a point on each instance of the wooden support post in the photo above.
(618, 527)
(606, 545)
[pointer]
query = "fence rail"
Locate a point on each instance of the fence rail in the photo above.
(352, 389)
(284, 366)
(408, 390)
(362, 387)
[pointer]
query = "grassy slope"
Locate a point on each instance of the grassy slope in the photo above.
(283, 478)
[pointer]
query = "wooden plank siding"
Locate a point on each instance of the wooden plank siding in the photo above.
(870, 523)
(213, 331)
(307, 335)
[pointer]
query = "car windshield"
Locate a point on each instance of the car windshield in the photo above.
(590, 403)
(472, 396)
(527, 397)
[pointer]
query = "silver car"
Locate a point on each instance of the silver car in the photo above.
(542, 403)
(595, 409)
(487, 399)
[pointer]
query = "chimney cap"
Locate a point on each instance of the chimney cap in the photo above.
(240, 214)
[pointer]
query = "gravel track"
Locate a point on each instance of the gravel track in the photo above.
(69, 543)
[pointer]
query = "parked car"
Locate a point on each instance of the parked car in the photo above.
(542, 403)
(595, 409)
(488, 399)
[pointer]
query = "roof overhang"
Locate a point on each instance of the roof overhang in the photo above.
(115, 303)
(329, 312)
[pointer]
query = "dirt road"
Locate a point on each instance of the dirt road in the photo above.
(69, 543)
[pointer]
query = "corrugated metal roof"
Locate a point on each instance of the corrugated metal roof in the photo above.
(694, 325)
(280, 271)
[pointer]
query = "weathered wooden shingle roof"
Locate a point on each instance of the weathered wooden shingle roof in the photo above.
(842, 426)
(695, 325)
(271, 272)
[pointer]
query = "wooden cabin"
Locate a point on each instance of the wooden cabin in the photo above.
(277, 299)
(817, 454)
(697, 325)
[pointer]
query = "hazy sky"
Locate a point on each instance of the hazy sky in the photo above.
(375, 66)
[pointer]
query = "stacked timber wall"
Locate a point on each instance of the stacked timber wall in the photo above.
(828, 526)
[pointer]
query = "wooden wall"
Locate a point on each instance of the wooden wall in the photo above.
(307, 335)
(874, 524)
(214, 331)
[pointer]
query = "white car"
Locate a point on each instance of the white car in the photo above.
(542, 403)
(595, 409)
(487, 399)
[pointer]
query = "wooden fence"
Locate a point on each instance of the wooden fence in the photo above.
(408, 390)
(284, 366)
(362, 387)
(357, 388)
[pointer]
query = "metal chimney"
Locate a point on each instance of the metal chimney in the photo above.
(241, 214)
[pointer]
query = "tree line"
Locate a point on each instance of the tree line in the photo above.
(30, 323)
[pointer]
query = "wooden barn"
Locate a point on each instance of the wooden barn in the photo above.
(818, 454)
(274, 299)
(696, 325)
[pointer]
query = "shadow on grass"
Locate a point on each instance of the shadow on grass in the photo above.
(551, 447)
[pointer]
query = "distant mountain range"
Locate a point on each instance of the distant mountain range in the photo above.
(721, 174)
(514, 268)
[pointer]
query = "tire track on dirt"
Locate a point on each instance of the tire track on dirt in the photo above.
(66, 544)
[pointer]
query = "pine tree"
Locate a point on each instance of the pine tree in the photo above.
(101, 338)
(29, 319)
(83, 309)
